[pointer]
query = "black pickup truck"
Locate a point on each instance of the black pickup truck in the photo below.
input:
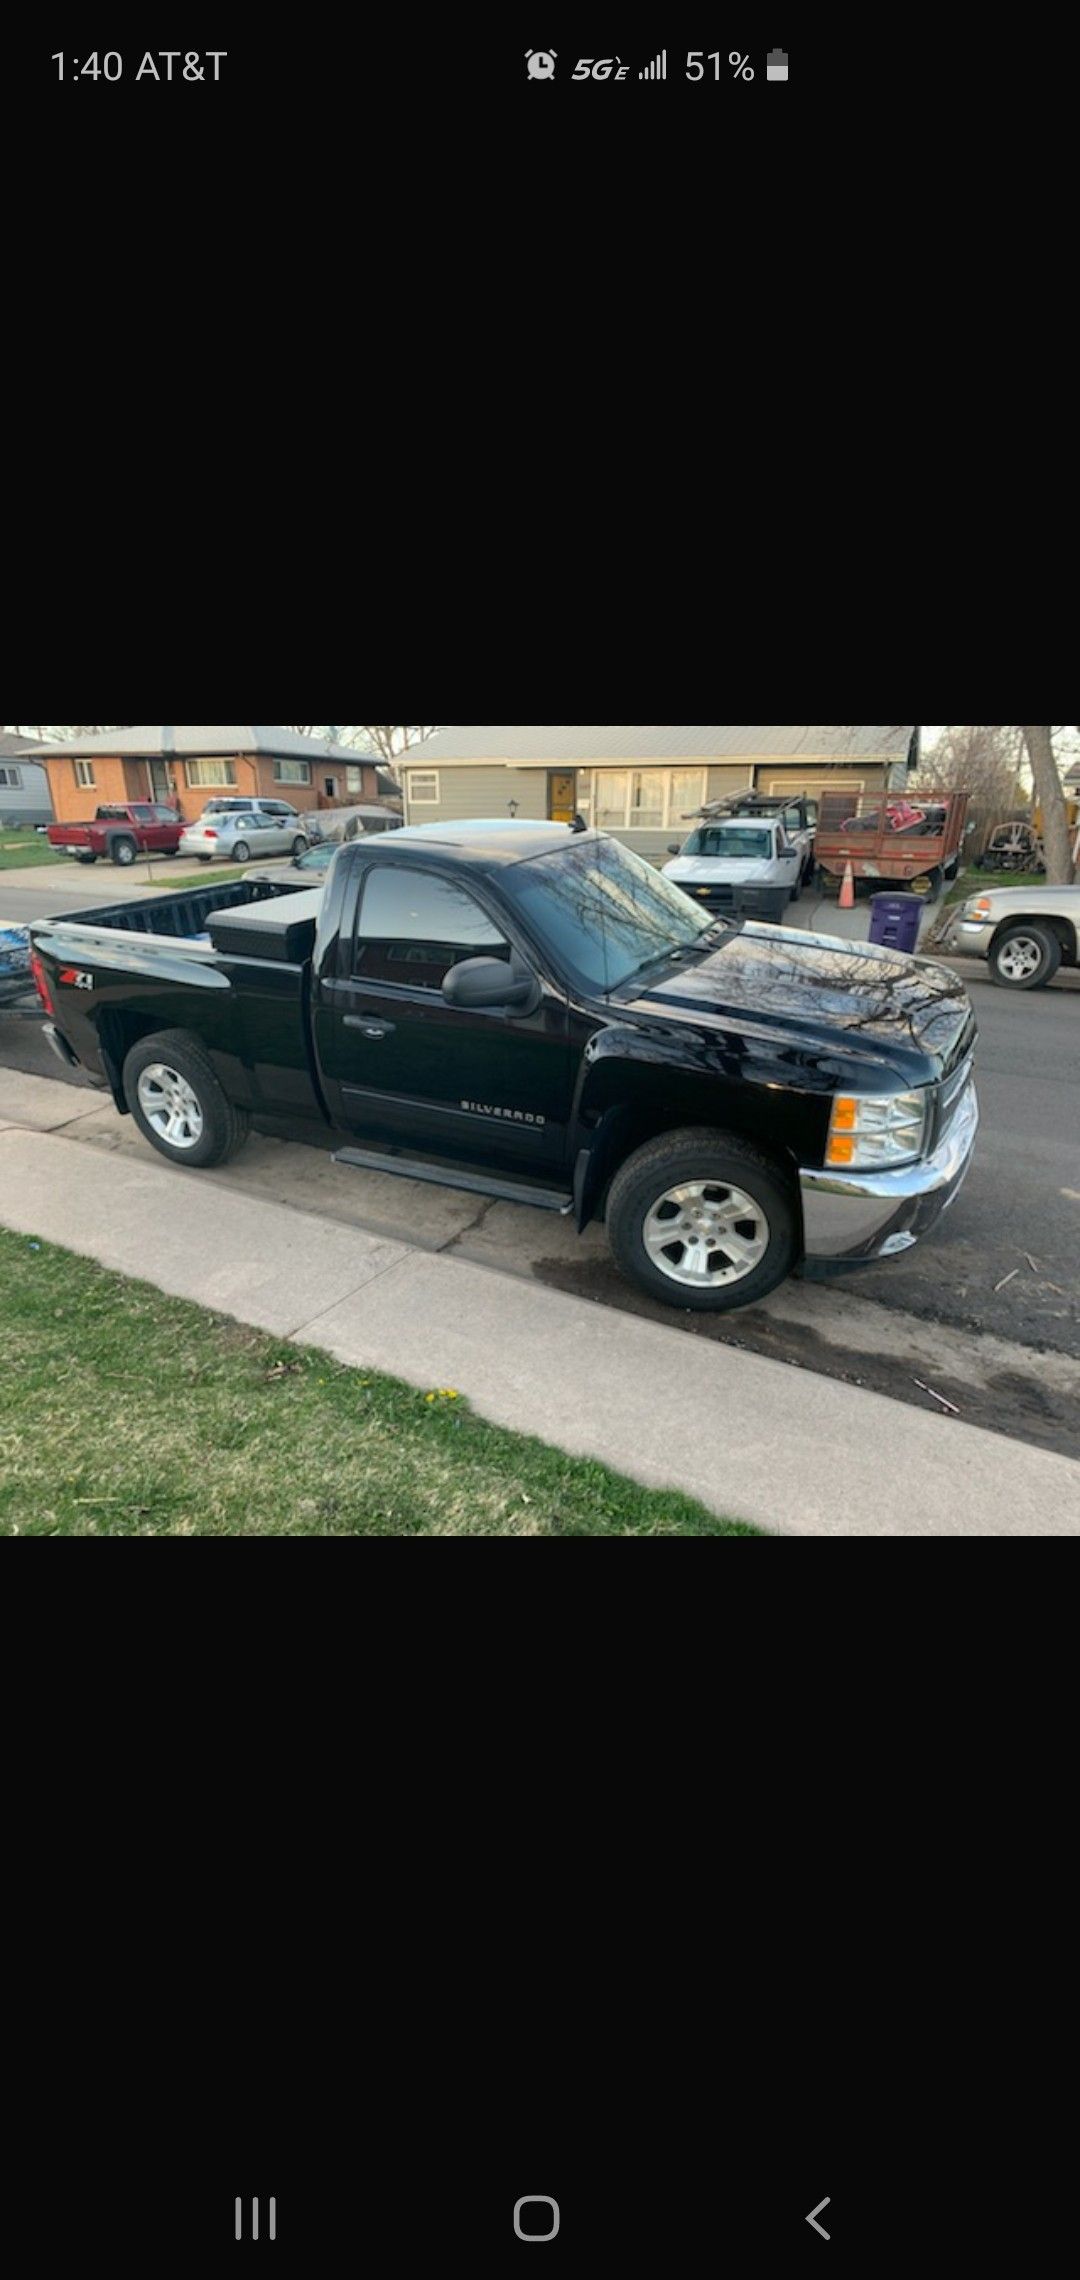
(537, 1015)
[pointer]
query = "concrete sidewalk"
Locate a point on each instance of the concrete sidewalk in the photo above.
(752, 1438)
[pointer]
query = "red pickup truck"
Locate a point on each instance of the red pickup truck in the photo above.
(121, 833)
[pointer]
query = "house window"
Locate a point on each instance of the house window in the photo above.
(84, 775)
(207, 775)
(424, 787)
(354, 778)
(292, 772)
(330, 787)
(11, 778)
(647, 799)
(688, 790)
(610, 802)
(641, 799)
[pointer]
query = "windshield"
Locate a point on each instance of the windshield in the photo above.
(603, 912)
(730, 841)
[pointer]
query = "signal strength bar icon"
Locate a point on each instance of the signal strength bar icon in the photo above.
(657, 69)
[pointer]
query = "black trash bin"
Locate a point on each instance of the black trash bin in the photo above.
(894, 921)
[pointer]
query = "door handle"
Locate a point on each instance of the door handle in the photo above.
(371, 1029)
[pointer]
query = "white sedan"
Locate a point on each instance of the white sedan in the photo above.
(242, 835)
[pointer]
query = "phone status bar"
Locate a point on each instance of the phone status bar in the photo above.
(697, 66)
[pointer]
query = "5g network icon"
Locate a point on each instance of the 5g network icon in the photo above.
(541, 62)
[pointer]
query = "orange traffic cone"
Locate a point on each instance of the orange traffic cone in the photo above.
(847, 891)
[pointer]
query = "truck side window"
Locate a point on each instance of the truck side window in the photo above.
(413, 927)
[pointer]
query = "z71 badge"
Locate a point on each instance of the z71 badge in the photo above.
(72, 979)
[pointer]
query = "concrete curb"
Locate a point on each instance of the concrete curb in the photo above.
(752, 1438)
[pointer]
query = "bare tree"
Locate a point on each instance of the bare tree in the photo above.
(1050, 793)
(984, 763)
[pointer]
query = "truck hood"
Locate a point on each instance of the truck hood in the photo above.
(780, 979)
(718, 871)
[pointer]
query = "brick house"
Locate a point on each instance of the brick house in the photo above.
(186, 767)
(641, 784)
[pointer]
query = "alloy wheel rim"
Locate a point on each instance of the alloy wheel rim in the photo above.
(1020, 958)
(170, 1106)
(706, 1234)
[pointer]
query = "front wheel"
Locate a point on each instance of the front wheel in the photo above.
(86, 860)
(299, 846)
(241, 852)
(702, 1220)
(178, 1103)
(1025, 957)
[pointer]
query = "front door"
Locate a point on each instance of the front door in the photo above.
(160, 789)
(562, 796)
(399, 1064)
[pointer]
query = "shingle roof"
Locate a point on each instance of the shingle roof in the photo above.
(19, 747)
(591, 746)
(196, 743)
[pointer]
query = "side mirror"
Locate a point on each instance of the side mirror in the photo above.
(483, 985)
(676, 850)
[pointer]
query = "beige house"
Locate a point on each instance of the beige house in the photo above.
(644, 785)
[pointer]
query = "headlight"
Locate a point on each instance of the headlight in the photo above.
(980, 908)
(872, 1134)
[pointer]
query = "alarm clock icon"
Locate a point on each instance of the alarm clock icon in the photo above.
(541, 62)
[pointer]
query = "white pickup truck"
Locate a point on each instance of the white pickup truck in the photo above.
(1025, 933)
(746, 865)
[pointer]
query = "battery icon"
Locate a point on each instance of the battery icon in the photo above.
(776, 64)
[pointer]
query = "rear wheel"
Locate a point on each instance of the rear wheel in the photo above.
(702, 1220)
(1025, 957)
(178, 1104)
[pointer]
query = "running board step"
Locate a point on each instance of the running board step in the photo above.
(473, 1183)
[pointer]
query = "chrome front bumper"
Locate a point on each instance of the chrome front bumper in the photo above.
(849, 1216)
(971, 938)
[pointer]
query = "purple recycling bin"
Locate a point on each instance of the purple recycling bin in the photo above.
(894, 921)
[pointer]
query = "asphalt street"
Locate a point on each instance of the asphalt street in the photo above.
(986, 1311)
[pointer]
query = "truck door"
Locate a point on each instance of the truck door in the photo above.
(397, 1063)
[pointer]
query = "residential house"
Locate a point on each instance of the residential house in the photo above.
(186, 767)
(24, 784)
(644, 785)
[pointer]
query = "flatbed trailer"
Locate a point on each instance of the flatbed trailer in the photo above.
(890, 839)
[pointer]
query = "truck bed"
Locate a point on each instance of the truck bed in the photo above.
(171, 917)
(229, 960)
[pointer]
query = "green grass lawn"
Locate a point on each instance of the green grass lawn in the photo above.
(19, 851)
(981, 882)
(126, 1413)
(208, 875)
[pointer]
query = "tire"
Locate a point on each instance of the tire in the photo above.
(86, 860)
(1025, 957)
(241, 852)
(766, 1230)
(124, 852)
(205, 858)
(215, 1129)
(300, 845)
